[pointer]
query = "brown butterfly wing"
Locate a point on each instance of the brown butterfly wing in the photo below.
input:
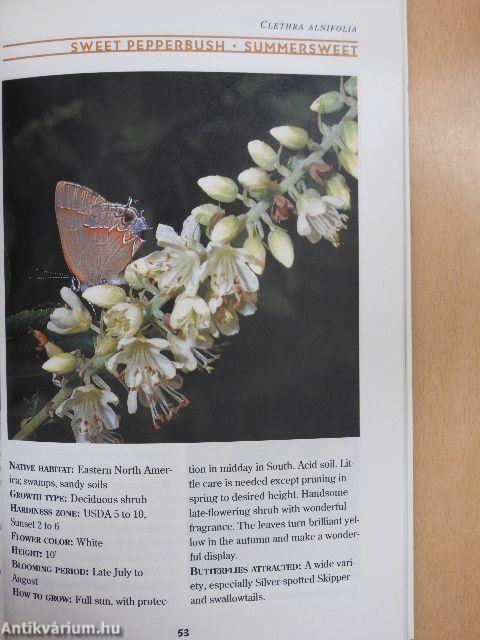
(112, 244)
(69, 195)
(72, 204)
(95, 249)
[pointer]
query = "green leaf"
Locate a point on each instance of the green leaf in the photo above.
(80, 341)
(18, 323)
(274, 302)
(30, 405)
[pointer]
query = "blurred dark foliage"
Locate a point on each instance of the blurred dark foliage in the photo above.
(292, 372)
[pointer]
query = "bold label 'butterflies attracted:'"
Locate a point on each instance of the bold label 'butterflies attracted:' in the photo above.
(99, 238)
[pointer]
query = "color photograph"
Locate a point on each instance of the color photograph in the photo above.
(181, 257)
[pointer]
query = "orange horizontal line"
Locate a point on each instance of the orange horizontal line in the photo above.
(258, 53)
(112, 37)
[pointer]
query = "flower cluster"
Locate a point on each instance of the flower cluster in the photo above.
(179, 302)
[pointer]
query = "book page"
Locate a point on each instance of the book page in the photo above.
(205, 351)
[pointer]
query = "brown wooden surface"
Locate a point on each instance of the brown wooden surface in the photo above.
(444, 70)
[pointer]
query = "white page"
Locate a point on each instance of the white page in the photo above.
(158, 537)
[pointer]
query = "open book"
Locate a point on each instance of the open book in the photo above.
(205, 336)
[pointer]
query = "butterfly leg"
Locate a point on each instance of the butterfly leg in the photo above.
(75, 284)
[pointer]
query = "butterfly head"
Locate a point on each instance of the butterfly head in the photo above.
(132, 220)
(140, 224)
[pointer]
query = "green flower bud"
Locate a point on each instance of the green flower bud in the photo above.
(337, 186)
(104, 295)
(350, 86)
(281, 247)
(62, 364)
(204, 213)
(294, 138)
(255, 248)
(327, 103)
(131, 276)
(146, 309)
(51, 349)
(349, 162)
(262, 154)
(225, 230)
(349, 135)
(106, 345)
(256, 180)
(219, 188)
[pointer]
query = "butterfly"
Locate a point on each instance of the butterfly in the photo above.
(99, 238)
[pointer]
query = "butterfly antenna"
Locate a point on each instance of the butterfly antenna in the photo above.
(45, 274)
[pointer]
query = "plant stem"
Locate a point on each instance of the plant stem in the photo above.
(95, 364)
(298, 174)
(28, 429)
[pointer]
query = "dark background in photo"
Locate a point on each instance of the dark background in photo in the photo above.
(293, 370)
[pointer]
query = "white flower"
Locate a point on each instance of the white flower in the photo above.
(190, 315)
(178, 265)
(150, 377)
(190, 353)
(72, 319)
(281, 247)
(61, 363)
(123, 320)
(318, 217)
(104, 295)
(92, 417)
(229, 270)
(294, 138)
(219, 188)
(225, 319)
(225, 229)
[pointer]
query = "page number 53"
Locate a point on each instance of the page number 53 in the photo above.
(183, 633)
